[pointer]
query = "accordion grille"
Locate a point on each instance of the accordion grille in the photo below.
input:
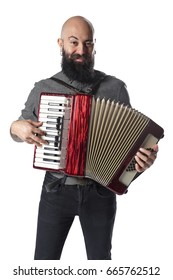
(114, 128)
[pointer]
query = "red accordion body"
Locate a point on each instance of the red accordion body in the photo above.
(93, 138)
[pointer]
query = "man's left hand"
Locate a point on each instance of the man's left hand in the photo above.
(145, 158)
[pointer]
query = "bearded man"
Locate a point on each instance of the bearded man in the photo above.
(64, 197)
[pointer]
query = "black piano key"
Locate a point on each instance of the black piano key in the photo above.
(55, 104)
(55, 110)
(57, 138)
(51, 160)
(48, 154)
(50, 128)
(50, 149)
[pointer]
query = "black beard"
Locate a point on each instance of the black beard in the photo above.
(81, 72)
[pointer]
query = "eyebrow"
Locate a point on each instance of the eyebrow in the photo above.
(73, 37)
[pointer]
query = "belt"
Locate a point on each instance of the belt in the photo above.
(72, 180)
(67, 180)
(77, 181)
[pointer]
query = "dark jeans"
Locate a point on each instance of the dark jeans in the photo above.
(96, 207)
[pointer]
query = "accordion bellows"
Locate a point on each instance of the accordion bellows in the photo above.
(93, 138)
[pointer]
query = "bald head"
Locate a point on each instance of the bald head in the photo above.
(77, 36)
(77, 48)
(77, 23)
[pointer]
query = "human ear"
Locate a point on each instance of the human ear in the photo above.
(60, 42)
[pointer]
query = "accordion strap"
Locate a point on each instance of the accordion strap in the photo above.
(90, 90)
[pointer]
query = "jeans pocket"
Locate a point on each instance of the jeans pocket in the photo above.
(51, 183)
(104, 192)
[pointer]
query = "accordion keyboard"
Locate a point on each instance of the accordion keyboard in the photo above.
(55, 114)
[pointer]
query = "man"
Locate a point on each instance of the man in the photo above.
(63, 198)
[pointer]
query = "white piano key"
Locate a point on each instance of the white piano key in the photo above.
(46, 120)
(54, 113)
(47, 165)
(51, 138)
(53, 133)
(42, 151)
(52, 130)
(50, 100)
(42, 157)
(51, 144)
(51, 125)
(57, 98)
(54, 104)
(49, 106)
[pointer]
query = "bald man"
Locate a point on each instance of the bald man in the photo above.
(64, 197)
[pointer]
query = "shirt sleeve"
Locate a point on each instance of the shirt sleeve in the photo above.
(30, 110)
(124, 96)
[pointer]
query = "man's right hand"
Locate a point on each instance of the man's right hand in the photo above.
(28, 131)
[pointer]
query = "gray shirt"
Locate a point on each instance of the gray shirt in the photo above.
(107, 86)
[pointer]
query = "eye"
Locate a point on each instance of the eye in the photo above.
(74, 43)
(89, 44)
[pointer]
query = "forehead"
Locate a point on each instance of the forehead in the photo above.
(77, 29)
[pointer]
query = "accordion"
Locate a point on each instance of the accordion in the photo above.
(93, 138)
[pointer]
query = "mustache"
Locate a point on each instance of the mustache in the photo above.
(76, 56)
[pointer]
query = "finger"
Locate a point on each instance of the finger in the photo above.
(140, 164)
(146, 152)
(143, 154)
(155, 148)
(34, 139)
(143, 165)
(38, 139)
(138, 168)
(36, 124)
(150, 151)
(34, 143)
(29, 141)
(38, 131)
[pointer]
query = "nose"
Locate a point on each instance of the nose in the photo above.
(81, 49)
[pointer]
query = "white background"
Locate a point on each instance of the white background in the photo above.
(134, 43)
